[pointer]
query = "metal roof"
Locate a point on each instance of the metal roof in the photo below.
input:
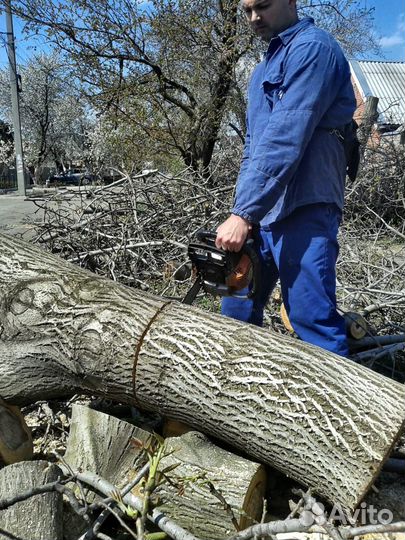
(385, 80)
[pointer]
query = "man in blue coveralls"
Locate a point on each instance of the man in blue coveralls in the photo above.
(290, 189)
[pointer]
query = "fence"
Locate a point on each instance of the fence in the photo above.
(8, 178)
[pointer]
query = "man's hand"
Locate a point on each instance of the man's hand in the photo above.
(232, 233)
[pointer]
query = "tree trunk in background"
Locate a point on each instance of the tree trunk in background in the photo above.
(315, 416)
(368, 120)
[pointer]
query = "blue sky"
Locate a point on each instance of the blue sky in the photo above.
(389, 22)
(25, 48)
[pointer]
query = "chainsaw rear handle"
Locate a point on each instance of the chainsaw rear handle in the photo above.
(247, 249)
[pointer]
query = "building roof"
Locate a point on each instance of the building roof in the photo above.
(385, 80)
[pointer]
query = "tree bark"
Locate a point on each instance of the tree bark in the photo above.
(37, 518)
(369, 118)
(64, 330)
(317, 417)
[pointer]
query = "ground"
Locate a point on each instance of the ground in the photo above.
(17, 213)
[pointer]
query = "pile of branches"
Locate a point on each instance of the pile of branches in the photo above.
(378, 194)
(135, 230)
(371, 283)
(371, 268)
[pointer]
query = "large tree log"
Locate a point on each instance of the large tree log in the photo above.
(37, 518)
(323, 420)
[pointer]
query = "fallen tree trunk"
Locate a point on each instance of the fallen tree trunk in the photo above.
(323, 420)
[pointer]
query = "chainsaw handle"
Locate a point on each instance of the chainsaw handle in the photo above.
(203, 235)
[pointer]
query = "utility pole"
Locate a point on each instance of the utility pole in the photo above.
(19, 158)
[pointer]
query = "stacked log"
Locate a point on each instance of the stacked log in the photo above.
(211, 492)
(101, 443)
(207, 490)
(38, 518)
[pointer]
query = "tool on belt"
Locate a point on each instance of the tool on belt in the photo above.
(222, 273)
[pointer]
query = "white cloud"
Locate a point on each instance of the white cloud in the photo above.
(392, 41)
(397, 37)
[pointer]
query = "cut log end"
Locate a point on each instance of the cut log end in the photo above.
(254, 499)
(175, 428)
(15, 436)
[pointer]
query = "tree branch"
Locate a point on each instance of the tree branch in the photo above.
(158, 518)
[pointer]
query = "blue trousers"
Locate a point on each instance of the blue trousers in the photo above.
(300, 250)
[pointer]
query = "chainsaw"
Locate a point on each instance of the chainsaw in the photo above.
(222, 273)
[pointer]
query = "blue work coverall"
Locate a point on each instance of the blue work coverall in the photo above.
(291, 182)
